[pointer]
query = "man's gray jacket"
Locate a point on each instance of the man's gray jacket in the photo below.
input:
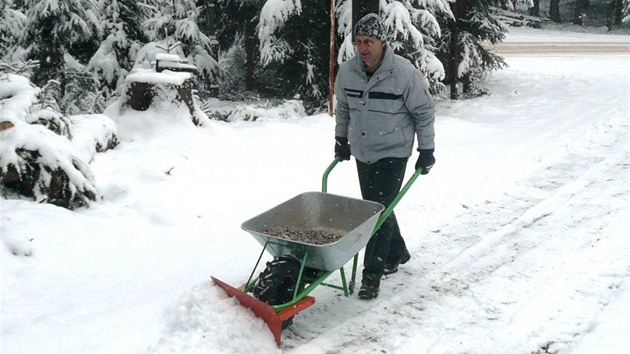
(380, 116)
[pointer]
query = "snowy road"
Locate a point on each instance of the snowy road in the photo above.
(562, 47)
(525, 40)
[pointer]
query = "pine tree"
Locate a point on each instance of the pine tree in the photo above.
(122, 22)
(295, 41)
(232, 82)
(175, 21)
(554, 11)
(579, 9)
(413, 32)
(461, 49)
(55, 28)
(294, 49)
(237, 26)
(12, 20)
(615, 13)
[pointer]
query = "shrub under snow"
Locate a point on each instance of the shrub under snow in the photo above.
(43, 154)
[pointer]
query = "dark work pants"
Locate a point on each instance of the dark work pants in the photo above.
(381, 182)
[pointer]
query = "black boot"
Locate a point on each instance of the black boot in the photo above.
(392, 264)
(369, 289)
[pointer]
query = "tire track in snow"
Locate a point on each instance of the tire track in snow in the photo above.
(451, 302)
(560, 263)
(534, 214)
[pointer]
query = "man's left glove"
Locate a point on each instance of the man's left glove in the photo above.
(425, 160)
(342, 148)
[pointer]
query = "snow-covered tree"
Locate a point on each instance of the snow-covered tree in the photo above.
(175, 21)
(12, 20)
(579, 10)
(295, 48)
(413, 31)
(431, 33)
(237, 27)
(232, 71)
(626, 12)
(295, 39)
(55, 28)
(461, 49)
(124, 36)
(554, 11)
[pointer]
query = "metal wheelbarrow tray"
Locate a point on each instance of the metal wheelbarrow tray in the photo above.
(352, 218)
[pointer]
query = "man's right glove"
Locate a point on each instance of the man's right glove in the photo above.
(425, 160)
(342, 148)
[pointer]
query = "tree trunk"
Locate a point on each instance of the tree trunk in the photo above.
(554, 11)
(614, 13)
(250, 50)
(535, 10)
(618, 12)
(578, 12)
(207, 17)
(454, 59)
(467, 87)
(361, 8)
(459, 8)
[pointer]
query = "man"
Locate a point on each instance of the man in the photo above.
(383, 103)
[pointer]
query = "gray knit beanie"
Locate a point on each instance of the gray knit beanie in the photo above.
(371, 25)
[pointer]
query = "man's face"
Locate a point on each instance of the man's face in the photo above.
(371, 50)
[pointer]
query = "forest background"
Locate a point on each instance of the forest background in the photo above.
(280, 49)
(63, 63)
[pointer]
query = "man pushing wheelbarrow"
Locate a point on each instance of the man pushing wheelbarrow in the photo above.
(382, 105)
(383, 101)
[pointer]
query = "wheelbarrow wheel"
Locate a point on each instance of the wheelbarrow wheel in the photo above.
(277, 283)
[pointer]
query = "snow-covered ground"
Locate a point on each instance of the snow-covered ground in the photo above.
(519, 234)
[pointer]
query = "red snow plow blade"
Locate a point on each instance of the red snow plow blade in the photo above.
(264, 311)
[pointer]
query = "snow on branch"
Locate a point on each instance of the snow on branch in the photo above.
(272, 18)
(434, 6)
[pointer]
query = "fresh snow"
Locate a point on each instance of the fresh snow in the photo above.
(519, 235)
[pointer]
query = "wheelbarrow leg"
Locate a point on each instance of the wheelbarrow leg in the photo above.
(348, 287)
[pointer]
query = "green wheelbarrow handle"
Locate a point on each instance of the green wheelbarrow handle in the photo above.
(394, 202)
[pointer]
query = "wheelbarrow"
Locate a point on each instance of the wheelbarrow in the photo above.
(282, 289)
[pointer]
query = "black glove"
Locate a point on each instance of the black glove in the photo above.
(342, 148)
(425, 160)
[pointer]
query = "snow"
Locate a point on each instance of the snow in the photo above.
(519, 234)
(273, 15)
(23, 96)
(169, 57)
(164, 77)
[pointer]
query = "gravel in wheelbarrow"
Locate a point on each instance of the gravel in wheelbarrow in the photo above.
(314, 236)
